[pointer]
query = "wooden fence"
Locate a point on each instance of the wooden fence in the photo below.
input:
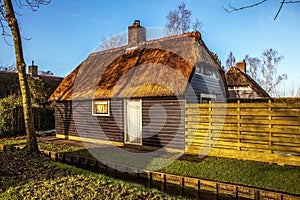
(265, 131)
(18, 119)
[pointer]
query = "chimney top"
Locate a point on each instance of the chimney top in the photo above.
(136, 23)
(241, 65)
(33, 70)
(136, 34)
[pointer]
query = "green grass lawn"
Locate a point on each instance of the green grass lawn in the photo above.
(60, 147)
(248, 173)
(12, 141)
(25, 176)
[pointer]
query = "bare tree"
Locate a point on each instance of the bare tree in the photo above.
(253, 63)
(111, 42)
(46, 73)
(292, 89)
(231, 8)
(197, 25)
(8, 17)
(173, 22)
(269, 79)
(264, 70)
(179, 20)
(230, 61)
(10, 68)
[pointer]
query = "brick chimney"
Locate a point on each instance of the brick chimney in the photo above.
(136, 34)
(241, 66)
(33, 70)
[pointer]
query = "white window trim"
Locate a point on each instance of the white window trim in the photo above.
(212, 96)
(101, 114)
(240, 88)
(211, 77)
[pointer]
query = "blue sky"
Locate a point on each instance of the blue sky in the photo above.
(66, 31)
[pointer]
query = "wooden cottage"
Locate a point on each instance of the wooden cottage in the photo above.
(136, 94)
(241, 85)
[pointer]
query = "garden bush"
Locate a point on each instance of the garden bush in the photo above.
(7, 106)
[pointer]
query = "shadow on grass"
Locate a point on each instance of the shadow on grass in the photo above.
(19, 167)
(247, 173)
(34, 176)
(119, 165)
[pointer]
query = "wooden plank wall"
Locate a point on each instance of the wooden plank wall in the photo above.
(71, 118)
(163, 123)
(267, 132)
(201, 84)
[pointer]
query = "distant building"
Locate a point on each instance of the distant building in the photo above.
(9, 82)
(241, 85)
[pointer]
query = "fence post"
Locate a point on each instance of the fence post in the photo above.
(270, 125)
(210, 124)
(199, 188)
(239, 125)
(39, 117)
(236, 192)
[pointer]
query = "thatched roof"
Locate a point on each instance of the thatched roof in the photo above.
(235, 77)
(160, 67)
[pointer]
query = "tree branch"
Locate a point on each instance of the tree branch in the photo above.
(279, 10)
(4, 33)
(286, 2)
(32, 4)
(232, 8)
(3, 26)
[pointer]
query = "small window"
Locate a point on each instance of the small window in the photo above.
(208, 71)
(198, 70)
(206, 98)
(101, 107)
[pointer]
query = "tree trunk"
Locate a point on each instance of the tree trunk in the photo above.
(31, 144)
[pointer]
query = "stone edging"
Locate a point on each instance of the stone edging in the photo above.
(235, 191)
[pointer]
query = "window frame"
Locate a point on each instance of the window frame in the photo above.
(201, 71)
(213, 73)
(210, 97)
(101, 114)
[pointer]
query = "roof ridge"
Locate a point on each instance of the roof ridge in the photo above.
(195, 34)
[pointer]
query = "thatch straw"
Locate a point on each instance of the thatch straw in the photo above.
(154, 69)
(235, 77)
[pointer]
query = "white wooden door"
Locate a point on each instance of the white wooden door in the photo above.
(133, 121)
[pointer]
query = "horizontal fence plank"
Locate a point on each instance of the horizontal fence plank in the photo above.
(246, 105)
(255, 138)
(244, 112)
(262, 128)
(294, 123)
(232, 127)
